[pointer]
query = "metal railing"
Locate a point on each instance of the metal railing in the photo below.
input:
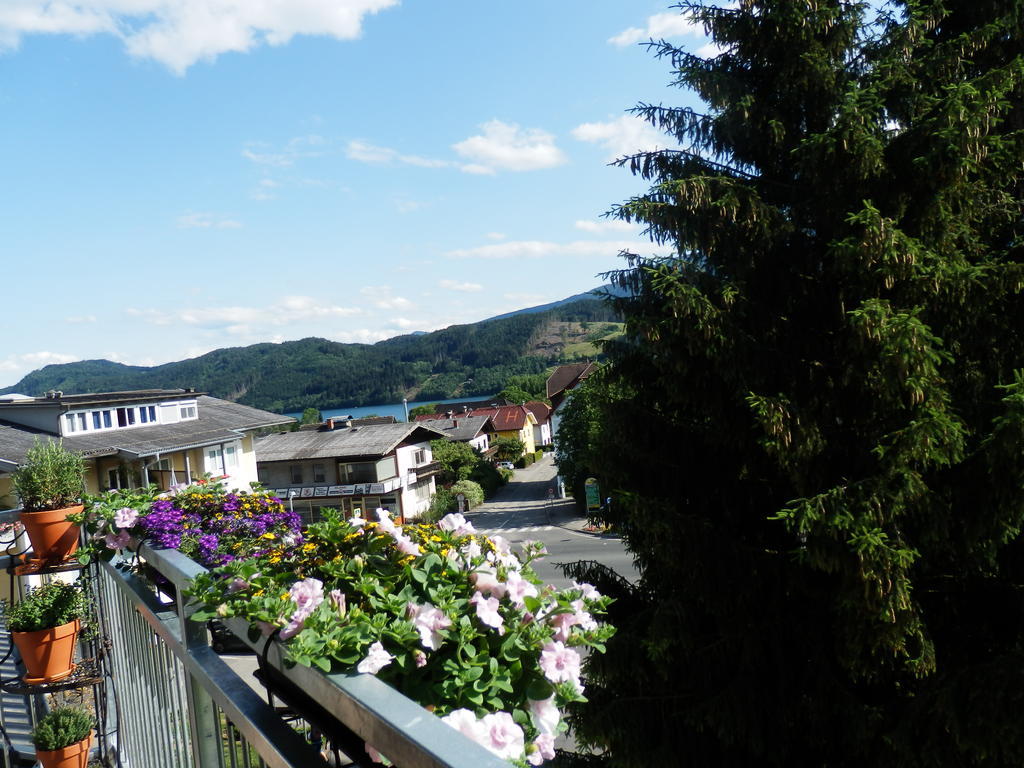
(169, 679)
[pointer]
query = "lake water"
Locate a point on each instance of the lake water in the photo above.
(385, 409)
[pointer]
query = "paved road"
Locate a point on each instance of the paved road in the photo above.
(521, 511)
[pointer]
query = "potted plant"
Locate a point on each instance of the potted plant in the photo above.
(63, 738)
(44, 626)
(50, 484)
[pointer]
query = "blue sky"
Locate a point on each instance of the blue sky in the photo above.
(182, 175)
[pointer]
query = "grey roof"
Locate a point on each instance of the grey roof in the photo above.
(219, 421)
(99, 398)
(369, 440)
(15, 440)
(461, 429)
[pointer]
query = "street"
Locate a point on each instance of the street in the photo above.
(521, 511)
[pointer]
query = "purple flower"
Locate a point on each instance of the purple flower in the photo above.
(120, 541)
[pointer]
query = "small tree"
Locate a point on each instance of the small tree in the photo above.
(456, 459)
(421, 410)
(311, 416)
(508, 448)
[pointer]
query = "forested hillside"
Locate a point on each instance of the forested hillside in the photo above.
(468, 360)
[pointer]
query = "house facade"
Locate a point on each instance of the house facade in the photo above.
(475, 430)
(352, 467)
(562, 380)
(542, 429)
(136, 438)
(507, 421)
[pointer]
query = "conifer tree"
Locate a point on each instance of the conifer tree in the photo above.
(817, 435)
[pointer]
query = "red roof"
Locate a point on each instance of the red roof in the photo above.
(504, 418)
(540, 410)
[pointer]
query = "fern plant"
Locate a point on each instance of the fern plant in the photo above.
(61, 728)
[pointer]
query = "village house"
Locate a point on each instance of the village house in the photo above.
(475, 430)
(352, 467)
(507, 421)
(158, 437)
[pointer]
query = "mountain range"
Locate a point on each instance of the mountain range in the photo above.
(462, 360)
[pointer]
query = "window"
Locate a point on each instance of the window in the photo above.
(96, 420)
(213, 460)
(319, 476)
(69, 422)
(419, 457)
(231, 455)
(82, 423)
(188, 411)
(125, 417)
(295, 470)
(107, 423)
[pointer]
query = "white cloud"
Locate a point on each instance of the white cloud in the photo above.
(363, 336)
(242, 320)
(206, 221)
(537, 249)
(80, 319)
(297, 148)
(659, 26)
(179, 33)
(606, 225)
(454, 285)
(14, 367)
(507, 147)
(380, 296)
(364, 152)
(625, 135)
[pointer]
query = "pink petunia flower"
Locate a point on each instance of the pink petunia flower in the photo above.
(486, 581)
(429, 622)
(487, 610)
(376, 659)
(125, 517)
(457, 524)
(545, 749)
(560, 664)
(120, 541)
(544, 714)
(503, 736)
(519, 588)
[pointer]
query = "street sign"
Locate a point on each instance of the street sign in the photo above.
(593, 493)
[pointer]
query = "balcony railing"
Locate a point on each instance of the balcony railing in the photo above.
(178, 703)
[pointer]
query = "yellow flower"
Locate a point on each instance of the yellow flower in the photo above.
(308, 547)
(275, 558)
(284, 596)
(267, 536)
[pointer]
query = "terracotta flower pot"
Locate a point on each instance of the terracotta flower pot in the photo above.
(48, 653)
(72, 756)
(53, 538)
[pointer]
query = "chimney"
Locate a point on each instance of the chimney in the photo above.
(330, 424)
(455, 423)
(348, 423)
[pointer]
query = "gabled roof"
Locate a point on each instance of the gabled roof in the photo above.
(541, 411)
(463, 406)
(220, 421)
(461, 429)
(504, 418)
(567, 376)
(374, 440)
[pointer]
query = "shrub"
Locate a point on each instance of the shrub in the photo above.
(61, 728)
(51, 605)
(489, 477)
(52, 477)
(472, 491)
(441, 504)
(538, 455)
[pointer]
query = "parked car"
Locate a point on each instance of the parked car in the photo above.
(506, 465)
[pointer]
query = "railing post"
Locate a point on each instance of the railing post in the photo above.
(203, 721)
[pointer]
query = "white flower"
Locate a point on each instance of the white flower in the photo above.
(457, 524)
(429, 621)
(544, 714)
(502, 736)
(376, 659)
(519, 588)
